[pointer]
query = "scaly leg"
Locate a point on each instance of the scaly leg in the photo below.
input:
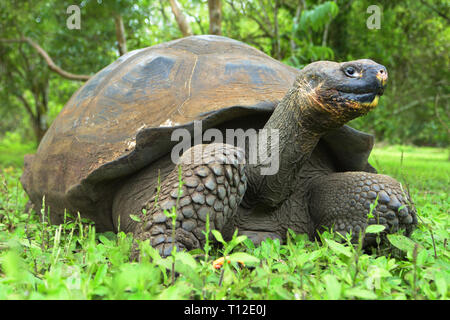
(343, 200)
(213, 185)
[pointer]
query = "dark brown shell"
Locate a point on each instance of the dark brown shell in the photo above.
(121, 119)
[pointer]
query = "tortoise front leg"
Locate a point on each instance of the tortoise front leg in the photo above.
(343, 200)
(213, 185)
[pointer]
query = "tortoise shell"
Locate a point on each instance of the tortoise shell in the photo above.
(121, 119)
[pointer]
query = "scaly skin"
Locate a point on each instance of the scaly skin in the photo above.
(215, 186)
(342, 201)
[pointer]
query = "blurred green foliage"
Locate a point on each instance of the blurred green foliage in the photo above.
(13, 148)
(412, 42)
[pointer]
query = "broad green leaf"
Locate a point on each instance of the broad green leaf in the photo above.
(333, 287)
(186, 259)
(375, 228)
(218, 236)
(422, 256)
(401, 242)
(317, 17)
(186, 265)
(179, 291)
(441, 284)
(196, 252)
(165, 263)
(302, 258)
(282, 293)
(104, 240)
(235, 241)
(26, 243)
(135, 218)
(360, 293)
(100, 274)
(249, 244)
(246, 258)
(377, 272)
(338, 248)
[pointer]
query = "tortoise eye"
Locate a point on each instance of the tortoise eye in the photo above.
(351, 72)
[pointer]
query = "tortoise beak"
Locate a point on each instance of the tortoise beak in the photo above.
(381, 80)
(382, 76)
(378, 85)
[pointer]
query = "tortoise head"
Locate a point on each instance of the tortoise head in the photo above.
(340, 92)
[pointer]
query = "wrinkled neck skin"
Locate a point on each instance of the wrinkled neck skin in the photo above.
(300, 124)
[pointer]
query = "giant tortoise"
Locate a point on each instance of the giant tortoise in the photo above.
(110, 152)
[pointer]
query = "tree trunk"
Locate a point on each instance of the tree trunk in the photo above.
(36, 82)
(215, 17)
(38, 116)
(39, 131)
(163, 13)
(276, 41)
(183, 24)
(298, 12)
(120, 34)
(325, 33)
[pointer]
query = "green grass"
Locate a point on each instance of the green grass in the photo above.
(12, 149)
(73, 261)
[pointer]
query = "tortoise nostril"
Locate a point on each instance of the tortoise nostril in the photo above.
(382, 75)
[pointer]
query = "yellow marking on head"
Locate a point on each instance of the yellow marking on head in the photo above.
(372, 104)
(382, 79)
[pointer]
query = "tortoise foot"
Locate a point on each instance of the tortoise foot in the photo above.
(346, 202)
(213, 183)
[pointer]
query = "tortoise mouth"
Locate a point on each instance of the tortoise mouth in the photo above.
(368, 99)
(363, 94)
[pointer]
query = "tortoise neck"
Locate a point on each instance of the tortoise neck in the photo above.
(298, 135)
